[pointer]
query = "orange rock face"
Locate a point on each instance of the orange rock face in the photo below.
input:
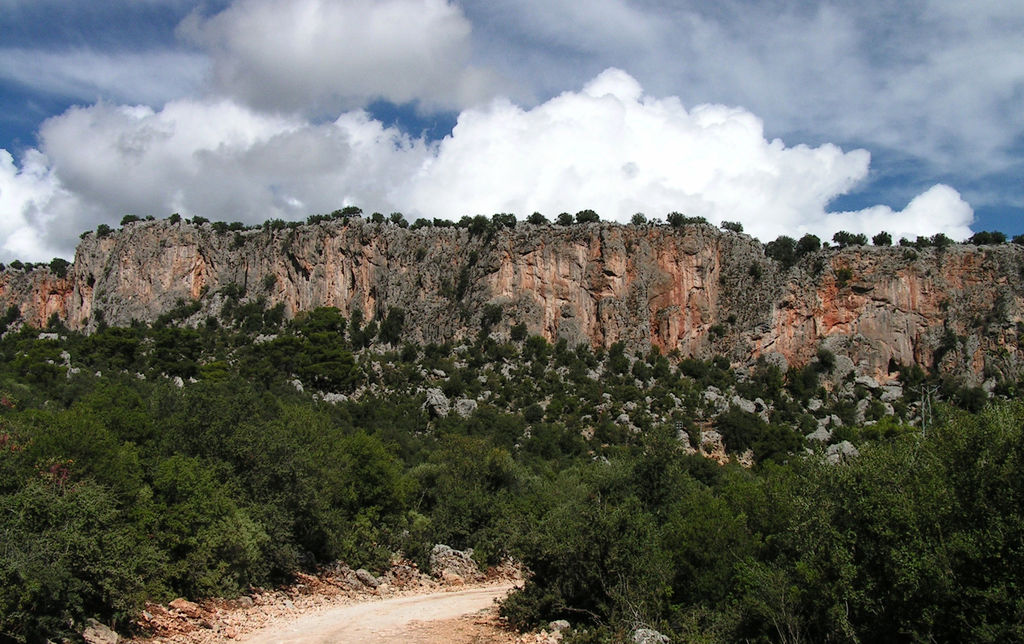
(698, 291)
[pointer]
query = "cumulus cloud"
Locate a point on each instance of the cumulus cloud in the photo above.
(613, 149)
(302, 55)
(32, 204)
(609, 147)
(937, 80)
(212, 158)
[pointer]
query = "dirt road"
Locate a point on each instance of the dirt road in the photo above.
(421, 619)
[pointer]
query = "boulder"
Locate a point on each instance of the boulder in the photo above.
(649, 636)
(185, 607)
(450, 564)
(97, 633)
(558, 626)
(841, 452)
(437, 403)
(367, 579)
(744, 404)
(465, 407)
(821, 435)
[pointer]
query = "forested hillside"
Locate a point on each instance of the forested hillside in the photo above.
(710, 503)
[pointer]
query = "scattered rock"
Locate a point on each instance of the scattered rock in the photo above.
(448, 564)
(186, 607)
(97, 633)
(366, 578)
(746, 459)
(558, 626)
(465, 407)
(649, 636)
(841, 452)
(820, 435)
(297, 384)
(744, 404)
(814, 404)
(437, 403)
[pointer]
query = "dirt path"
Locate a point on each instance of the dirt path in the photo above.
(435, 618)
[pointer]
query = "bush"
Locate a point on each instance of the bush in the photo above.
(537, 219)
(808, 244)
(733, 226)
(587, 217)
(782, 250)
(882, 239)
(844, 239)
(987, 237)
(67, 555)
(843, 276)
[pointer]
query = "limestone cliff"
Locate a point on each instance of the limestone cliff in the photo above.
(698, 290)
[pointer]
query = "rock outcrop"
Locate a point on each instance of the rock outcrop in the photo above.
(696, 290)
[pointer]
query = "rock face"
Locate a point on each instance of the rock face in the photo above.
(697, 290)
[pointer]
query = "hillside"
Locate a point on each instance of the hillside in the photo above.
(692, 289)
(237, 442)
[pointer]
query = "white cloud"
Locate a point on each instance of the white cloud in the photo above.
(617, 151)
(608, 147)
(151, 77)
(938, 80)
(319, 55)
(32, 204)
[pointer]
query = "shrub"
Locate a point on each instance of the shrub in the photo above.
(733, 226)
(564, 219)
(638, 219)
(587, 217)
(782, 250)
(987, 237)
(843, 275)
(844, 239)
(537, 219)
(808, 244)
(503, 220)
(882, 239)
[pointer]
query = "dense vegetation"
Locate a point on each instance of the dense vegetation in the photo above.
(183, 459)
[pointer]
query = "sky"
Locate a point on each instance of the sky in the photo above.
(788, 117)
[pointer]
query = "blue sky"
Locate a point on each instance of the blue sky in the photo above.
(791, 117)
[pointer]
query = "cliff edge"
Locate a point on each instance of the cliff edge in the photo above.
(696, 290)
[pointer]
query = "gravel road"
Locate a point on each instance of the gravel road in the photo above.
(420, 619)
